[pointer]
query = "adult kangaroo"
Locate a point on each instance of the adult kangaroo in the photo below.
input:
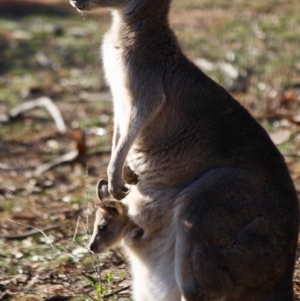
(215, 199)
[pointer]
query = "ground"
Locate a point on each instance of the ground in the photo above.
(49, 50)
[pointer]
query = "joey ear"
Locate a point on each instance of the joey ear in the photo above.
(102, 190)
(136, 233)
(113, 207)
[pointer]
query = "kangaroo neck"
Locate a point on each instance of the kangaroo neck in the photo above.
(141, 19)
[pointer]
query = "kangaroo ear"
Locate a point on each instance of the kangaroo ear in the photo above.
(102, 190)
(113, 207)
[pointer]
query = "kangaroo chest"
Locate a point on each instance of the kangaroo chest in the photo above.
(154, 274)
(116, 77)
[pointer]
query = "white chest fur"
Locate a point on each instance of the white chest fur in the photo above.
(153, 276)
(116, 76)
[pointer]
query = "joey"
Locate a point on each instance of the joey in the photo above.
(112, 222)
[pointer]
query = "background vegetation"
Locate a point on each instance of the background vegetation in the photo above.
(48, 49)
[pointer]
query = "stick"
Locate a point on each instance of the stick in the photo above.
(28, 233)
(117, 291)
(48, 104)
(66, 158)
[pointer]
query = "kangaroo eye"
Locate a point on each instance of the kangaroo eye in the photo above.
(102, 228)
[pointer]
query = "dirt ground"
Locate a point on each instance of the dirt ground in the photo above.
(49, 54)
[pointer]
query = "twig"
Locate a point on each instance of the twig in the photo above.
(31, 282)
(9, 167)
(28, 233)
(81, 290)
(66, 158)
(59, 298)
(48, 240)
(96, 265)
(117, 291)
(76, 155)
(76, 230)
(48, 104)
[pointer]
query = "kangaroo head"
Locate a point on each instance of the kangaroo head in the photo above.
(87, 5)
(131, 6)
(110, 222)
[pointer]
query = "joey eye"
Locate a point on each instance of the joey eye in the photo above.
(102, 228)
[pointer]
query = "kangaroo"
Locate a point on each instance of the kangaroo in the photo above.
(214, 195)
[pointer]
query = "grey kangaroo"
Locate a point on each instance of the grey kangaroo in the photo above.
(214, 197)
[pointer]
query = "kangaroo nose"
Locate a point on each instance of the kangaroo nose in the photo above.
(79, 4)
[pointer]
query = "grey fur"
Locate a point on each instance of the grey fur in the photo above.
(214, 197)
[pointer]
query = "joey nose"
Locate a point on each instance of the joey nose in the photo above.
(93, 247)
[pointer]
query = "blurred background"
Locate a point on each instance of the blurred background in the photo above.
(56, 126)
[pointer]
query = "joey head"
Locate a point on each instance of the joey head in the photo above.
(112, 223)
